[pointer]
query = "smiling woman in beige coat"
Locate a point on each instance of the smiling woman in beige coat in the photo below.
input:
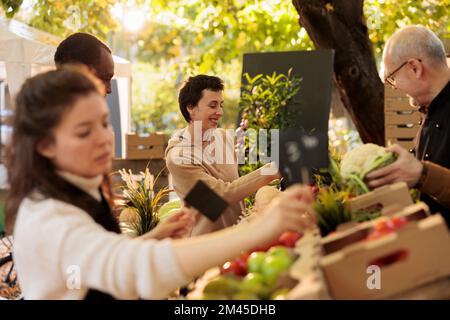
(201, 151)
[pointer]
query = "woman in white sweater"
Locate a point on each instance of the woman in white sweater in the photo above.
(66, 242)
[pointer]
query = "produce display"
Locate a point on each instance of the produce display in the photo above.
(398, 245)
(261, 273)
(360, 161)
(264, 196)
(386, 226)
(319, 263)
(169, 208)
(343, 181)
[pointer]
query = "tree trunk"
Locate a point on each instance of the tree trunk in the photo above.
(340, 25)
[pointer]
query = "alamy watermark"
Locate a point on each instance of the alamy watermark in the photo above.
(374, 280)
(73, 281)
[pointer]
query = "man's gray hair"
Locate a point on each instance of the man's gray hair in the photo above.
(415, 42)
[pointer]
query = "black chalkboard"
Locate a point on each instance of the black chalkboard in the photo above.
(313, 102)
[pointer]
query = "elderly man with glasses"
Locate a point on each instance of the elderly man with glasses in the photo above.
(415, 63)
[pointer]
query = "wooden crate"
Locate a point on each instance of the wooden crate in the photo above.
(406, 143)
(150, 147)
(401, 120)
(406, 131)
(408, 257)
(402, 117)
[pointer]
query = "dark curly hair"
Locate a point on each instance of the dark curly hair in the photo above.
(192, 92)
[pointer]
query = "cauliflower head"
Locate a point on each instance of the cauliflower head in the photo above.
(364, 159)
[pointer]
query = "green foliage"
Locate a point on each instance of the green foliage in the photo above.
(384, 17)
(155, 105)
(62, 18)
(197, 34)
(332, 209)
(11, 7)
(191, 37)
(140, 196)
(265, 99)
(155, 100)
(264, 105)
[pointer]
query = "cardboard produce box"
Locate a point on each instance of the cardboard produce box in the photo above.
(145, 147)
(389, 198)
(416, 253)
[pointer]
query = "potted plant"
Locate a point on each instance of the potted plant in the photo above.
(140, 212)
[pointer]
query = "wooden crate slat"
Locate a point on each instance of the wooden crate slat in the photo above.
(394, 131)
(398, 105)
(407, 144)
(145, 147)
(154, 139)
(390, 93)
(393, 117)
(155, 152)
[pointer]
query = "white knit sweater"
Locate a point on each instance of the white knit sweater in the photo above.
(60, 253)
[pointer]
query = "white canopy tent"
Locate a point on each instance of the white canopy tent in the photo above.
(25, 51)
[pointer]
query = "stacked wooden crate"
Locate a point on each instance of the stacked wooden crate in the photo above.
(145, 147)
(401, 120)
(143, 152)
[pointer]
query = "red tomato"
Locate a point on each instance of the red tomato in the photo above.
(384, 226)
(241, 267)
(238, 267)
(227, 267)
(289, 238)
(373, 235)
(399, 222)
(267, 246)
(244, 256)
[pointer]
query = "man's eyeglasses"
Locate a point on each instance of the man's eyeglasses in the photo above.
(390, 77)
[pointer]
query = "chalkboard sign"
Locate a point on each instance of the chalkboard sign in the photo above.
(313, 102)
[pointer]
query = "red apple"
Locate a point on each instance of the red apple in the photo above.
(289, 238)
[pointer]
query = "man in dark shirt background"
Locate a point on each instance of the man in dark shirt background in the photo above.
(415, 63)
(88, 50)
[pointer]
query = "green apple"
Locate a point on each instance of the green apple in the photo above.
(280, 294)
(169, 208)
(222, 285)
(244, 296)
(214, 296)
(279, 251)
(273, 266)
(255, 261)
(254, 283)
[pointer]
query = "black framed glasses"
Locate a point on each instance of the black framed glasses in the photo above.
(390, 77)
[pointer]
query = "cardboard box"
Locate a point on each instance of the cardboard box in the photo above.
(390, 198)
(406, 258)
(150, 147)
